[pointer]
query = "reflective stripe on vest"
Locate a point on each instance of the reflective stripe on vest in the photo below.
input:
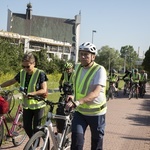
(81, 89)
(31, 103)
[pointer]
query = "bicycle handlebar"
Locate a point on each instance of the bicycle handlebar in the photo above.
(48, 102)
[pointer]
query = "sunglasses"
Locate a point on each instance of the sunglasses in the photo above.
(26, 67)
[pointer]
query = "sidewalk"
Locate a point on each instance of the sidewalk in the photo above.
(127, 125)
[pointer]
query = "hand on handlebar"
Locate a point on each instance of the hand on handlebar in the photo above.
(71, 103)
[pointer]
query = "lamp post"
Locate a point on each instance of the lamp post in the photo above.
(93, 31)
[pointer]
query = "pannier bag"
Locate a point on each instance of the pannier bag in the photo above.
(4, 105)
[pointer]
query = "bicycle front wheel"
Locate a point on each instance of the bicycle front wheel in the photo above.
(37, 142)
(1, 133)
(19, 133)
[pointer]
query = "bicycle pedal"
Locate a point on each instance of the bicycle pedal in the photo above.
(15, 133)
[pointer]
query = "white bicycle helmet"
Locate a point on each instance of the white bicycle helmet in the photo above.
(89, 47)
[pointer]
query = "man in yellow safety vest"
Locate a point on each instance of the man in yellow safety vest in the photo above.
(89, 99)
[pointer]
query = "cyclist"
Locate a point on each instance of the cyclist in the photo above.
(114, 78)
(143, 79)
(127, 79)
(135, 79)
(67, 75)
(90, 99)
(34, 81)
(136, 76)
(65, 84)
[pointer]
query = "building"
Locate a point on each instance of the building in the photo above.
(60, 36)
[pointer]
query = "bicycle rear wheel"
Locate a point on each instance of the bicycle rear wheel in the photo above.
(19, 133)
(1, 133)
(37, 142)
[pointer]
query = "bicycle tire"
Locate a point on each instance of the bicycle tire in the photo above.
(1, 133)
(130, 94)
(112, 93)
(12, 101)
(19, 134)
(37, 141)
(142, 91)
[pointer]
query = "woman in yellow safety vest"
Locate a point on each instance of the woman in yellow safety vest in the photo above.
(89, 99)
(34, 82)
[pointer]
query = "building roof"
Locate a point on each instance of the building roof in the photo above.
(59, 29)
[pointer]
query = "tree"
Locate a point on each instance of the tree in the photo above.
(129, 55)
(109, 58)
(10, 57)
(146, 61)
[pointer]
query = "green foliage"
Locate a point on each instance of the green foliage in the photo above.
(146, 61)
(129, 55)
(10, 57)
(41, 60)
(109, 58)
(53, 80)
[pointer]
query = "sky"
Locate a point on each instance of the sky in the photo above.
(117, 22)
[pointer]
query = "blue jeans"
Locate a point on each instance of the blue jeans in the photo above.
(79, 125)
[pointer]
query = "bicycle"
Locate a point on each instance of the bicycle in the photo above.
(142, 89)
(16, 131)
(126, 86)
(111, 91)
(134, 91)
(67, 89)
(41, 139)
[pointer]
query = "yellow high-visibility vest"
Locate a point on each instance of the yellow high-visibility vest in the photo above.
(81, 89)
(31, 103)
(135, 77)
(66, 77)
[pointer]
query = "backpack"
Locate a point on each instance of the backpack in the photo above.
(4, 105)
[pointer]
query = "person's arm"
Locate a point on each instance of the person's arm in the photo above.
(92, 95)
(41, 91)
(8, 83)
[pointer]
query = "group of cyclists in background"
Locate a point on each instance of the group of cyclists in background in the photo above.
(134, 83)
(133, 79)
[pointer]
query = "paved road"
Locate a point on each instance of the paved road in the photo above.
(127, 125)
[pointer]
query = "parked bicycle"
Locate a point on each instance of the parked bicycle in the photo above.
(16, 130)
(134, 91)
(41, 139)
